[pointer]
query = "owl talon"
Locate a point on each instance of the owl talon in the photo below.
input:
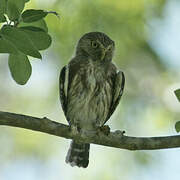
(75, 129)
(105, 129)
(119, 132)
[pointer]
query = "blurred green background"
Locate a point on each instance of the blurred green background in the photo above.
(146, 33)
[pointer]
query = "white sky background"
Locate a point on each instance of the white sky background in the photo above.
(166, 34)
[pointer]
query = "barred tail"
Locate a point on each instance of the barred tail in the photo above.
(78, 154)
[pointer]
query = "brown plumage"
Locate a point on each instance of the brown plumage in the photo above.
(90, 90)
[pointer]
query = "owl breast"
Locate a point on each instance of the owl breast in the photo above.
(89, 98)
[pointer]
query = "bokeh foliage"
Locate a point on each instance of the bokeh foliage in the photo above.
(145, 109)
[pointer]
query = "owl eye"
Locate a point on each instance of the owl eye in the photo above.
(94, 44)
(109, 48)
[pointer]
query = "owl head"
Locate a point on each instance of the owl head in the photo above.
(97, 46)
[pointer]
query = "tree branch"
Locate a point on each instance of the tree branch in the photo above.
(114, 139)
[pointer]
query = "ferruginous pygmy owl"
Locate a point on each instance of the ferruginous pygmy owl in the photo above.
(90, 90)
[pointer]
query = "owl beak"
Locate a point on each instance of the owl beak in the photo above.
(104, 50)
(103, 54)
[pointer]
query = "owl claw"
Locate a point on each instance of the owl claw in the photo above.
(105, 129)
(119, 132)
(74, 129)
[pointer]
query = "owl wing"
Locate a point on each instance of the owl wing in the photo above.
(118, 87)
(63, 87)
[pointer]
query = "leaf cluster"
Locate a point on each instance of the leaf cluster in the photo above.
(23, 33)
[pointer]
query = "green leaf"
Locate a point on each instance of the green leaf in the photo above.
(40, 39)
(20, 68)
(2, 18)
(177, 126)
(177, 93)
(14, 9)
(32, 15)
(26, 1)
(21, 40)
(31, 28)
(54, 12)
(39, 24)
(6, 46)
(3, 4)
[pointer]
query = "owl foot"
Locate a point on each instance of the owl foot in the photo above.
(74, 129)
(119, 132)
(105, 129)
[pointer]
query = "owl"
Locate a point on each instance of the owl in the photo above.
(90, 89)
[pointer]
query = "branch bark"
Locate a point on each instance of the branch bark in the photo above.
(114, 139)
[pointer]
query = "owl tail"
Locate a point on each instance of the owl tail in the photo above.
(78, 154)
